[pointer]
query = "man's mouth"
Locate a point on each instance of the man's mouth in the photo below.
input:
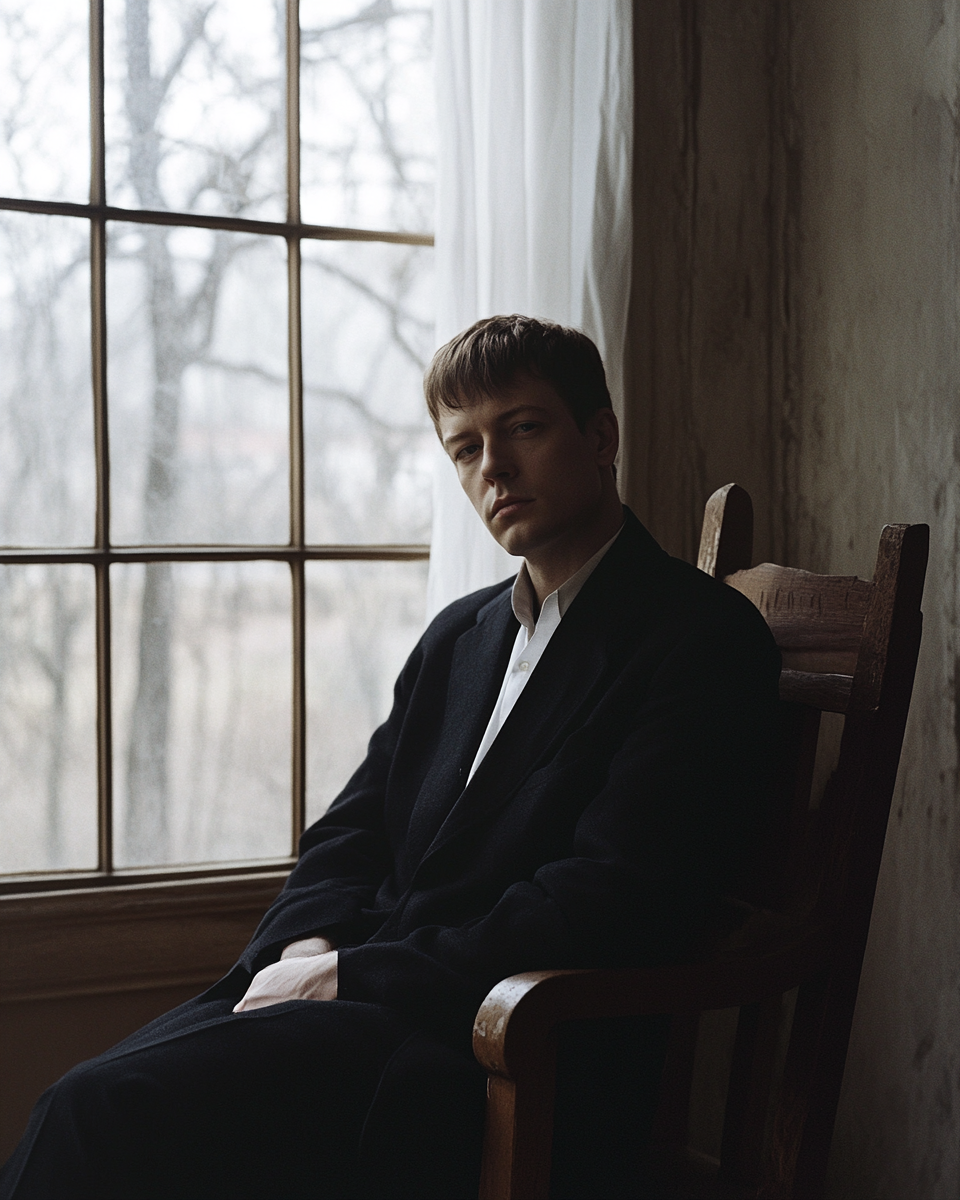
(507, 507)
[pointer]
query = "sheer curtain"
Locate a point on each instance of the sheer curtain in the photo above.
(535, 112)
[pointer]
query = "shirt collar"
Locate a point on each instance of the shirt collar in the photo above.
(524, 597)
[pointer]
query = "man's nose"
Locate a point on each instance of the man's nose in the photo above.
(497, 462)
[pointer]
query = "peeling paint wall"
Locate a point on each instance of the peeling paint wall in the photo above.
(795, 327)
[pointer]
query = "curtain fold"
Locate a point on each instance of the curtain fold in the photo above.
(535, 117)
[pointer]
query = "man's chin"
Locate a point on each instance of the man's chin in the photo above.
(506, 540)
(516, 541)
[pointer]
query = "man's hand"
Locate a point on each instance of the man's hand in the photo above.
(309, 974)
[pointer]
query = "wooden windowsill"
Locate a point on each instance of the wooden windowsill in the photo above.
(123, 937)
(60, 881)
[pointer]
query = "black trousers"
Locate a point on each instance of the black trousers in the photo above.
(333, 1100)
(301, 1099)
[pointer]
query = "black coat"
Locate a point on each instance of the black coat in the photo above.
(616, 800)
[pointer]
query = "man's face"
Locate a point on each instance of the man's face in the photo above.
(533, 476)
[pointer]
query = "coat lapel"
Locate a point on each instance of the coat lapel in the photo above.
(480, 659)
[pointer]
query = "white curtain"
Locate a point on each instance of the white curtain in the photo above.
(535, 112)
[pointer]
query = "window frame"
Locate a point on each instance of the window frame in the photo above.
(102, 554)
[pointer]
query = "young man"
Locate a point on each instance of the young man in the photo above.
(572, 767)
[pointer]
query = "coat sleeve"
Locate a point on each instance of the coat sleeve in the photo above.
(345, 855)
(671, 811)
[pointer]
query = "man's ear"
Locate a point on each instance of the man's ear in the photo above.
(604, 429)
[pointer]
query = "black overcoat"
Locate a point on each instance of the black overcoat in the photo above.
(617, 798)
(616, 801)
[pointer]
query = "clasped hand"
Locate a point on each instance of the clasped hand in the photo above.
(307, 970)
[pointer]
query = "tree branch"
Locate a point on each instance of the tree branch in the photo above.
(377, 13)
(329, 393)
(391, 307)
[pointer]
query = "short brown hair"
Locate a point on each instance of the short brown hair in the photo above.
(491, 356)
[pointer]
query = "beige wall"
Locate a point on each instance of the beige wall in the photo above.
(795, 328)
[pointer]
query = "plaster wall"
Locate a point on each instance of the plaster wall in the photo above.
(873, 422)
(795, 328)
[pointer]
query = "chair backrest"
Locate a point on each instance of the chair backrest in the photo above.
(849, 646)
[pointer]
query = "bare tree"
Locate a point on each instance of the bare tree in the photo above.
(181, 324)
(43, 397)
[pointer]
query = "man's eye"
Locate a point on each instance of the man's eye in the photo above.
(525, 427)
(465, 452)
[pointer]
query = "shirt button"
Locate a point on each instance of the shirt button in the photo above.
(524, 666)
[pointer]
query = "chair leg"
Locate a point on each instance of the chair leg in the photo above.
(668, 1141)
(826, 1078)
(518, 1139)
(748, 1094)
(801, 1137)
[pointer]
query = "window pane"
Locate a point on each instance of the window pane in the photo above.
(363, 619)
(367, 114)
(194, 113)
(48, 719)
(199, 410)
(45, 100)
(47, 473)
(367, 337)
(202, 679)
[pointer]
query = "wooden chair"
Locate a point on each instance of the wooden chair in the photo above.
(848, 647)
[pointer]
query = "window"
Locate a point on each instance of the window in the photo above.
(215, 310)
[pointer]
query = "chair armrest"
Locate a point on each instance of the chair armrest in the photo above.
(516, 1021)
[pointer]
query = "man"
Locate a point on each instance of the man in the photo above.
(569, 775)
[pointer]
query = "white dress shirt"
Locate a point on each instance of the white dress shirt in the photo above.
(532, 639)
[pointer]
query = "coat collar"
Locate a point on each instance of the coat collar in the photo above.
(575, 665)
